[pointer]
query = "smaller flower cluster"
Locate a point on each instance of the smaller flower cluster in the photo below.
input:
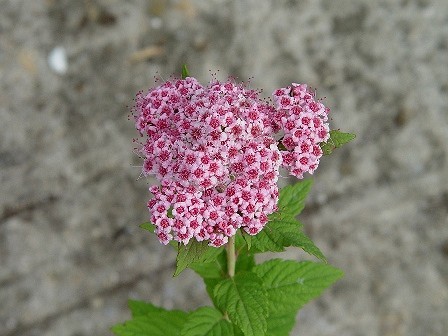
(304, 123)
(214, 151)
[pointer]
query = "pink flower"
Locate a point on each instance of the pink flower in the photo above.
(214, 151)
(304, 123)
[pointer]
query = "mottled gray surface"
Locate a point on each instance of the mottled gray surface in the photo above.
(70, 251)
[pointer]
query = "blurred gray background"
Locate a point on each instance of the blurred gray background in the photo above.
(71, 253)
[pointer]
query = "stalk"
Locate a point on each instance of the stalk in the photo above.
(231, 256)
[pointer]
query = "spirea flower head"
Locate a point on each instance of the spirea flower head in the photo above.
(214, 151)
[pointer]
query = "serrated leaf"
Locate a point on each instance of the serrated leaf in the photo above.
(148, 227)
(248, 239)
(291, 284)
(162, 323)
(237, 331)
(140, 308)
(292, 198)
(327, 147)
(283, 230)
(281, 324)
(185, 73)
(337, 139)
(278, 234)
(214, 272)
(302, 241)
(268, 240)
(244, 263)
(210, 285)
(290, 231)
(207, 321)
(217, 268)
(194, 252)
(242, 240)
(244, 299)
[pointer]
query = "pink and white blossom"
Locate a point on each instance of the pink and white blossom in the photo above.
(214, 151)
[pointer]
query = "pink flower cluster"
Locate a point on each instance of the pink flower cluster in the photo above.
(214, 151)
(304, 123)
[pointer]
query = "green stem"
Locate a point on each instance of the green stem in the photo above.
(231, 256)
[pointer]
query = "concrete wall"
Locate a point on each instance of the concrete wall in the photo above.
(71, 253)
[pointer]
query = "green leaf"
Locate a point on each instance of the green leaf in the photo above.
(248, 239)
(242, 240)
(244, 263)
(194, 252)
(281, 324)
(210, 285)
(169, 212)
(269, 239)
(278, 234)
(140, 308)
(292, 198)
(283, 229)
(185, 73)
(161, 323)
(216, 271)
(213, 269)
(237, 331)
(291, 284)
(302, 241)
(337, 139)
(212, 272)
(244, 300)
(207, 321)
(148, 227)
